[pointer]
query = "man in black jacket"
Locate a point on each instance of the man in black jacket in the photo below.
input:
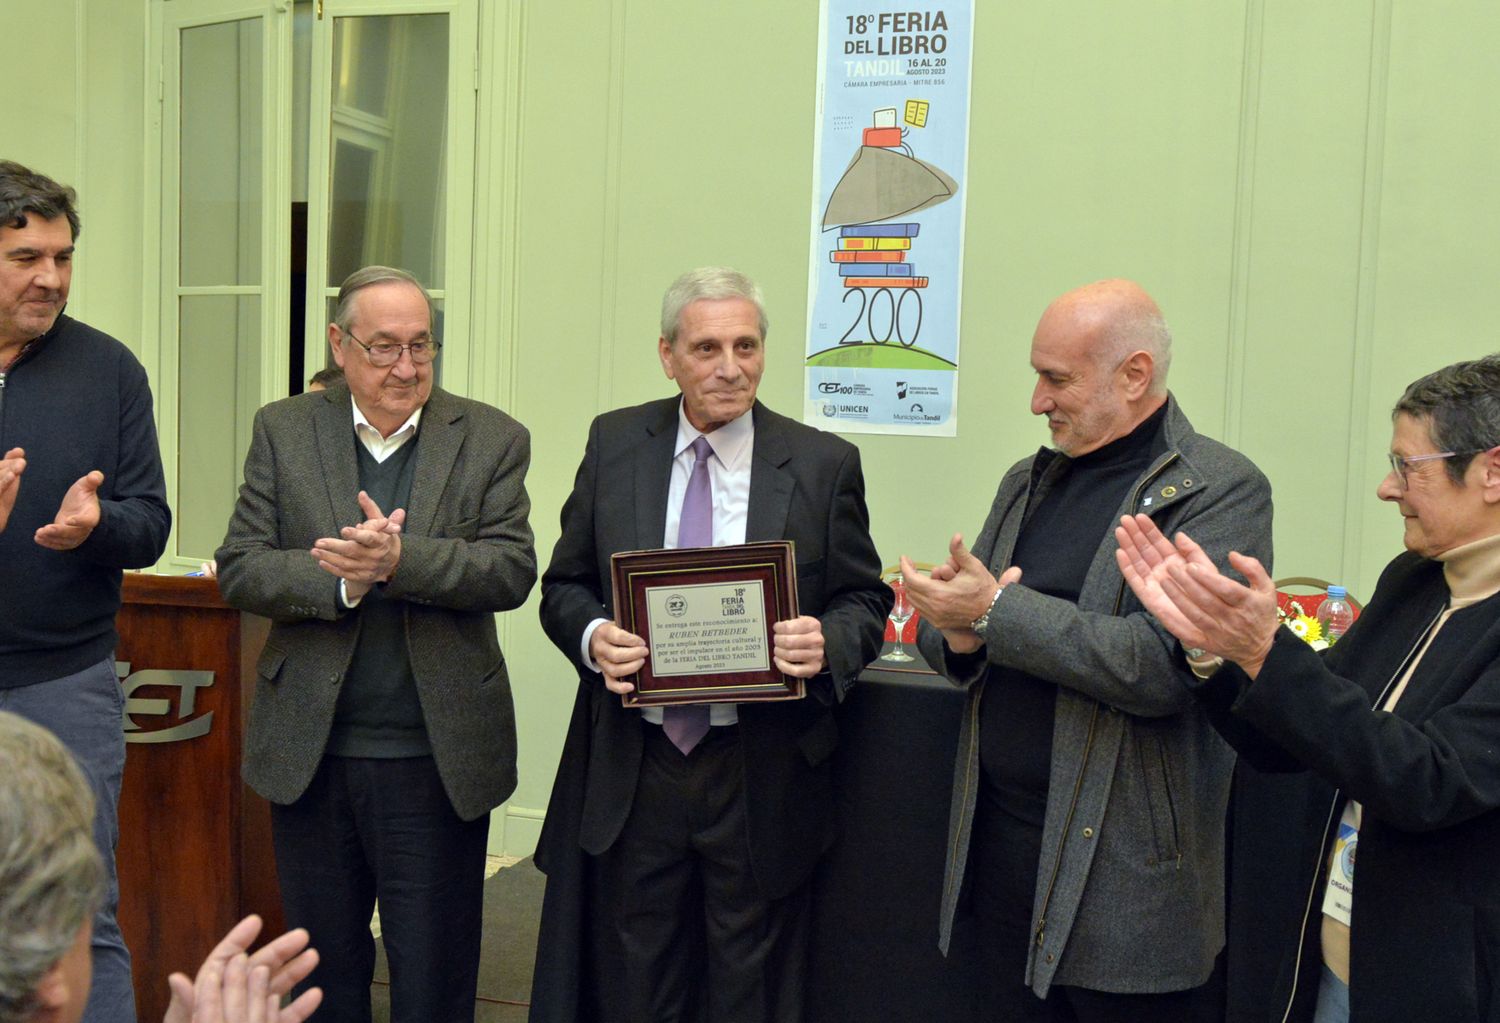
(82, 497)
(712, 830)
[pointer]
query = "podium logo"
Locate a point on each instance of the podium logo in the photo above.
(186, 683)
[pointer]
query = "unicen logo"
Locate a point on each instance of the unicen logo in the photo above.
(830, 409)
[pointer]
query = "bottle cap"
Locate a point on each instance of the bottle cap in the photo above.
(1337, 592)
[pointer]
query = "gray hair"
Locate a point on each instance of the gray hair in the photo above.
(710, 282)
(1461, 406)
(1135, 329)
(51, 877)
(24, 191)
(368, 277)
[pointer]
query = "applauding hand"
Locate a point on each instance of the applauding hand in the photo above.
(235, 987)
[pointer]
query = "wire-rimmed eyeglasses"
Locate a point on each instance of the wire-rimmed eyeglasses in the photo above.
(388, 353)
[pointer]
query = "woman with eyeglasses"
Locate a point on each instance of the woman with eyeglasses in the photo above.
(1395, 730)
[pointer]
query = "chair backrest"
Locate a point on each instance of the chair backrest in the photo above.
(1301, 595)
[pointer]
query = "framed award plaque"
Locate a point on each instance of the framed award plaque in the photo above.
(706, 614)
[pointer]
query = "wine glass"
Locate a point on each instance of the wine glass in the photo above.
(900, 614)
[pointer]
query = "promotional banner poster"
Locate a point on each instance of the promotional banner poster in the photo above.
(888, 216)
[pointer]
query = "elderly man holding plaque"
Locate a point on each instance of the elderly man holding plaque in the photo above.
(707, 818)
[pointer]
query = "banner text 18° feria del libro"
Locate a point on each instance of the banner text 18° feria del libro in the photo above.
(886, 266)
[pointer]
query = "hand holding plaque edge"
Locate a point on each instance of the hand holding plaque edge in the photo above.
(798, 646)
(619, 655)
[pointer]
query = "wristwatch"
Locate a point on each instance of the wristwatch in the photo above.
(982, 623)
(1200, 664)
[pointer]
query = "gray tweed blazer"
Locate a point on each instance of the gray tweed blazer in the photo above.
(466, 553)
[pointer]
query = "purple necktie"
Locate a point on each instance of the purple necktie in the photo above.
(687, 725)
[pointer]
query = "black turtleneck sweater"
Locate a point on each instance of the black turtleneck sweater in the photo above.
(1059, 540)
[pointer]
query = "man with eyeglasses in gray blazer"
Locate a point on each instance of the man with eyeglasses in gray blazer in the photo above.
(381, 524)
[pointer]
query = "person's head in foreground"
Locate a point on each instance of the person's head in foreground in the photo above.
(51, 877)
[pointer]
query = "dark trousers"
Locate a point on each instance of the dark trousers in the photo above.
(1003, 856)
(368, 829)
(699, 940)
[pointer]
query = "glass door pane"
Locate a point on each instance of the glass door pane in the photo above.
(391, 120)
(218, 364)
(220, 159)
(218, 271)
(387, 131)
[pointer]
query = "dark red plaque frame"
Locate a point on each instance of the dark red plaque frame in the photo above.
(771, 563)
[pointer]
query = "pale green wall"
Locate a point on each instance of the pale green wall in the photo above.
(76, 72)
(1306, 188)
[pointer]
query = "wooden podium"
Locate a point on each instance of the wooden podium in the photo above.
(195, 842)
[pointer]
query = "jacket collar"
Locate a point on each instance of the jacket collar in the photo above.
(771, 486)
(439, 439)
(1171, 478)
(30, 349)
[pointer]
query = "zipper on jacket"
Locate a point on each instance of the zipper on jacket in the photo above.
(7, 371)
(954, 880)
(1088, 745)
(1333, 813)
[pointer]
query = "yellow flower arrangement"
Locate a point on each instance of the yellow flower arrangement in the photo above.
(1308, 629)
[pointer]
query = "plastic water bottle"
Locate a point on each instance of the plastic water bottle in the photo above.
(1335, 615)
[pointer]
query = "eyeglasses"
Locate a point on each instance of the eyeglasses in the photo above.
(386, 353)
(1401, 464)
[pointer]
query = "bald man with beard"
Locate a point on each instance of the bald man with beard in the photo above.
(1088, 811)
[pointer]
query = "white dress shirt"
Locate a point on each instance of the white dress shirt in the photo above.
(729, 481)
(381, 448)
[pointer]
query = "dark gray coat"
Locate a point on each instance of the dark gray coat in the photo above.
(466, 552)
(1130, 888)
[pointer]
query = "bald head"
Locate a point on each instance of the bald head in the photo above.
(1115, 318)
(1101, 354)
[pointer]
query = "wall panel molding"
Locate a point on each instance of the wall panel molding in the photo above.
(609, 242)
(1242, 233)
(1363, 444)
(494, 357)
(78, 291)
(498, 212)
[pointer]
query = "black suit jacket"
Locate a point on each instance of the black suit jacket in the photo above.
(805, 486)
